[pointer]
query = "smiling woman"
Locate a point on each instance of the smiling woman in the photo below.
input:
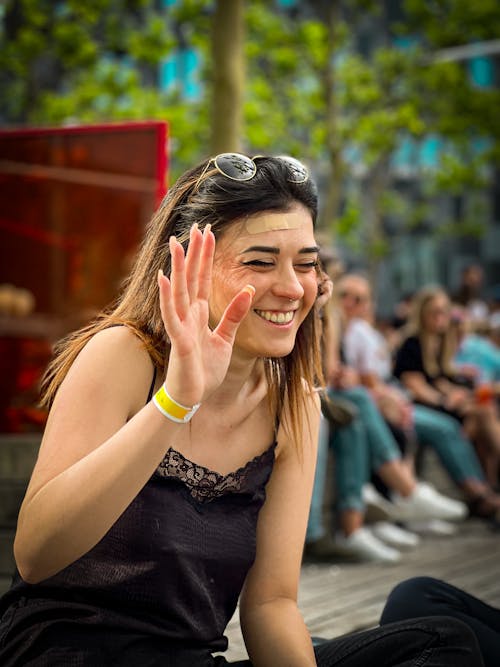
(281, 264)
(176, 469)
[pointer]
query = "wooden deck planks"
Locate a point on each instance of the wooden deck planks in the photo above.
(341, 598)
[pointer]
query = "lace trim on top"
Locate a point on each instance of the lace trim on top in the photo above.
(204, 484)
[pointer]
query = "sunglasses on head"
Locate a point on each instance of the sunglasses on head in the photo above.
(240, 167)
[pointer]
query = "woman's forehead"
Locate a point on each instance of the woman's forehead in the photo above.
(439, 298)
(270, 221)
(271, 229)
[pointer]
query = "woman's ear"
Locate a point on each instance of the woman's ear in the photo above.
(325, 290)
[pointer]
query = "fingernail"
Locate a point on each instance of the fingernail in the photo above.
(250, 289)
(208, 228)
(160, 273)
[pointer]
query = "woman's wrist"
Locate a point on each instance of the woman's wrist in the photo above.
(170, 408)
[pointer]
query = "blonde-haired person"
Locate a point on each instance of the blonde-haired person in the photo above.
(367, 350)
(176, 468)
(425, 365)
(362, 445)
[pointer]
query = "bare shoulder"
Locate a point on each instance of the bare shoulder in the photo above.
(115, 359)
(105, 387)
(115, 342)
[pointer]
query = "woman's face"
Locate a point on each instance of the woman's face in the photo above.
(436, 314)
(276, 253)
(355, 297)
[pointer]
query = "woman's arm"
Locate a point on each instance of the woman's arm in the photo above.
(446, 395)
(420, 389)
(274, 630)
(101, 443)
(92, 461)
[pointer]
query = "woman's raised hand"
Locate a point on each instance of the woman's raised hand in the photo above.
(199, 357)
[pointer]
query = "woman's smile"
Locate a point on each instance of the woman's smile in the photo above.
(278, 317)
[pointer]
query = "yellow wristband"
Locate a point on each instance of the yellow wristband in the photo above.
(171, 409)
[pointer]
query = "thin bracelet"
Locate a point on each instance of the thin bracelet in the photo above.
(171, 409)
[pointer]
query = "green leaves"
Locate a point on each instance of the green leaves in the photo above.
(309, 92)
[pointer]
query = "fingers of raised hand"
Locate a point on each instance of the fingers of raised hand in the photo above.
(192, 274)
(234, 314)
(190, 277)
(206, 262)
(193, 258)
(168, 313)
(179, 297)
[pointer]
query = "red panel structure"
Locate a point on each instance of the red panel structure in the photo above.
(73, 205)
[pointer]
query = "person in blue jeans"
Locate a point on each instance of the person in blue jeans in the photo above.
(367, 351)
(425, 596)
(363, 446)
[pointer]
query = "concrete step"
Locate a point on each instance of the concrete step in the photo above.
(18, 454)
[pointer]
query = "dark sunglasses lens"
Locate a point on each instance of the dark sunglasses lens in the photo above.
(297, 171)
(235, 166)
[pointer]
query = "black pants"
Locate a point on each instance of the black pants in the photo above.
(425, 596)
(422, 642)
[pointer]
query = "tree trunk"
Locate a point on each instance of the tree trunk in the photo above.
(229, 75)
(332, 198)
(377, 182)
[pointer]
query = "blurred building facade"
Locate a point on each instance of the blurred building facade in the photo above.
(420, 256)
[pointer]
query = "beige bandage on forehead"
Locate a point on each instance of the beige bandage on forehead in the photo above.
(270, 222)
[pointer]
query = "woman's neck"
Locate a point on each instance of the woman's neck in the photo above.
(243, 375)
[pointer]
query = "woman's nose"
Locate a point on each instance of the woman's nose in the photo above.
(289, 286)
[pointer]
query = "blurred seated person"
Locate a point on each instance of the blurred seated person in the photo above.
(360, 448)
(398, 320)
(469, 292)
(363, 445)
(424, 364)
(366, 350)
(494, 319)
(476, 353)
(402, 310)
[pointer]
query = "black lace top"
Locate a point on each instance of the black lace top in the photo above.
(170, 568)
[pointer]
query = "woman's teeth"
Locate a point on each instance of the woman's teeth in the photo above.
(276, 318)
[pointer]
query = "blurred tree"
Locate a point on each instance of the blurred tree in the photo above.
(71, 58)
(402, 92)
(334, 82)
(228, 76)
(99, 61)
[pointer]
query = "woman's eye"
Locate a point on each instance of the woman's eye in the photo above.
(258, 262)
(307, 266)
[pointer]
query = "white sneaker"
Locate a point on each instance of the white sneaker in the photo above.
(426, 503)
(433, 527)
(394, 535)
(377, 507)
(362, 546)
